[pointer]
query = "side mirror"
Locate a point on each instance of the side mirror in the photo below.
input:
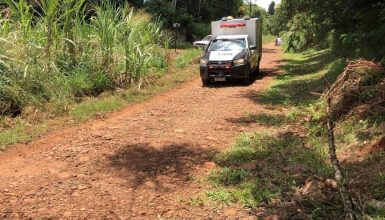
(253, 47)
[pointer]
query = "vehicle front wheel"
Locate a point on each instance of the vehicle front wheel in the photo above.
(256, 71)
(206, 81)
(249, 78)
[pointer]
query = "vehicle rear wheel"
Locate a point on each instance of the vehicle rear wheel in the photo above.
(206, 81)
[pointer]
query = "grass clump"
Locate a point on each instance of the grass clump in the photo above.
(187, 58)
(270, 120)
(21, 132)
(282, 165)
(228, 176)
(248, 194)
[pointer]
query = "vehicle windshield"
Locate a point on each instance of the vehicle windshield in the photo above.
(207, 38)
(228, 44)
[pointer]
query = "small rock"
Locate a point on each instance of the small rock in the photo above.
(272, 217)
(150, 184)
(170, 213)
(13, 200)
(64, 175)
(82, 175)
(179, 130)
(84, 159)
(81, 187)
(230, 212)
(67, 214)
(210, 165)
(248, 218)
(331, 183)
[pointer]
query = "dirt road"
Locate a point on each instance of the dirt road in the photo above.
(140, 163)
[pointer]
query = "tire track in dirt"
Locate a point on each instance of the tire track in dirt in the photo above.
(139, 163)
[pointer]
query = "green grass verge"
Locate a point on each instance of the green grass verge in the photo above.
(188, 58)
(21, 131)
(269, 120)
(305, 77)
(282, 164)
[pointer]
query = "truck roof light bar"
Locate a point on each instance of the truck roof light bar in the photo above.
(233, 25)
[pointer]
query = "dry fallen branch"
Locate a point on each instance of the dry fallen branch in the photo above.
(340, 178)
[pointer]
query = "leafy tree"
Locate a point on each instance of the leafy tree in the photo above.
(354, 28)
(194, 16)
(271, 9)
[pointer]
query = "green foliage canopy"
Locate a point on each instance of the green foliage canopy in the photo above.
(194, 16)
(353, 27)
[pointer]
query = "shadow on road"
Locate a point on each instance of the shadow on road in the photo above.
(266, 50)
(143, 163)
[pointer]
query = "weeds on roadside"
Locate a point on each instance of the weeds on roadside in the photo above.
(186, 59)
(270, 120)
(282, 164)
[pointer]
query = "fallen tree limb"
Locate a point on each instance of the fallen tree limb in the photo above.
(339, 176)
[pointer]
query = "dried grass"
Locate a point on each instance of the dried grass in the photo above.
(359, 90)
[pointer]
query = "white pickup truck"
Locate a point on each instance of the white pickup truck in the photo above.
(234, 52)
(203, 43)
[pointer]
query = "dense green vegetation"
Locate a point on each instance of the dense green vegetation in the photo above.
(59, 56)
(194, 16)
(354, 28)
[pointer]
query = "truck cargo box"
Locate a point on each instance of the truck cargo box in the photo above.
(251, 27)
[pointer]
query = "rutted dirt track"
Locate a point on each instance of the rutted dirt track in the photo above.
(139, 163)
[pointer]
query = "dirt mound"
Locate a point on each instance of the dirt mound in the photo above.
(359, 90)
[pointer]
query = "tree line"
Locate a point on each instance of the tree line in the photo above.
(355, 27)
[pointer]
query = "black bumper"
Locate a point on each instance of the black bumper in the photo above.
(232, 72)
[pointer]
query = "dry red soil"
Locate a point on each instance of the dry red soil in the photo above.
(139, 163)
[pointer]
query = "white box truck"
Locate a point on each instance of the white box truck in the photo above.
(234, 52)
